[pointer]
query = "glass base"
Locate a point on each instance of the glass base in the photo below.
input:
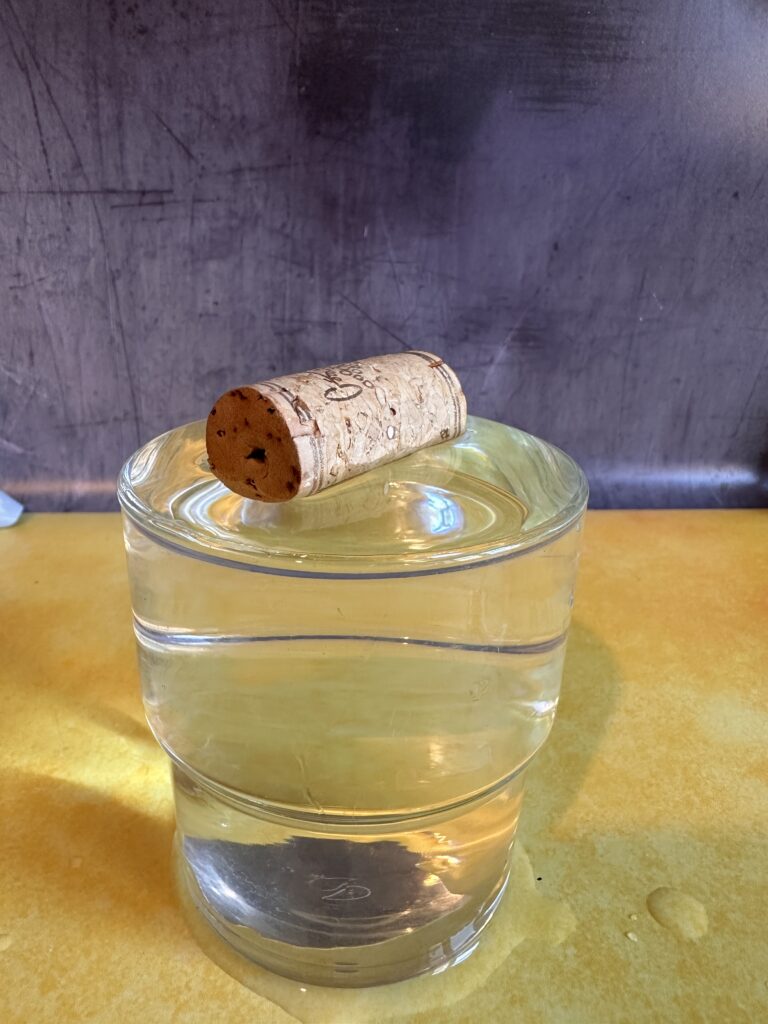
(419, 949)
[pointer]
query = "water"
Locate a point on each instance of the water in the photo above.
(339, 798)
(348, 727)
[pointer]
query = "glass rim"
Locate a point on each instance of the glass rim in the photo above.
(173, 535)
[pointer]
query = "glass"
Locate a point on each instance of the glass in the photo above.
(350, 687)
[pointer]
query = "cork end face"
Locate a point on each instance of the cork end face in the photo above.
(250, 448)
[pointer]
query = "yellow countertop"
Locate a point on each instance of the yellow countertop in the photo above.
(655, 778)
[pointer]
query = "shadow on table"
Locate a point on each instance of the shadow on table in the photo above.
(590, 694)
(134, 729)
(79, 852)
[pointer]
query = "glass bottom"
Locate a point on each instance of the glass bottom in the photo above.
(344, 903)
(347, 966)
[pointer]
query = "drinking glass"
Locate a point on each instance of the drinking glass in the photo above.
(350, 687)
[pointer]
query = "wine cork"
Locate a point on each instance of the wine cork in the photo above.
(296, 435)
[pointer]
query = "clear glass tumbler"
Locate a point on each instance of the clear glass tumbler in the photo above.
(350, 687)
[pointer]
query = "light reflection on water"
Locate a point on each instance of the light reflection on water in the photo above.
(441, 514)
(413, 514)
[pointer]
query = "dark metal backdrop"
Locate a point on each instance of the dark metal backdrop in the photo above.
(568, 198)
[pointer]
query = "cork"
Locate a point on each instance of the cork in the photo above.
(294, 436)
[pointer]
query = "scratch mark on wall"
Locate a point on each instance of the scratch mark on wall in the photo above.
(628, 365)
(46, 86)
(51, 346)
(35, 110)
(141, 205)
(274, 4)
(116, 318)
(752, 391)
(13, 374)
(182, 145)
(27, 284)
(503, 348)
(12, 447)
(7, 149)
(382, 327)
(86, 192)
(616, 180)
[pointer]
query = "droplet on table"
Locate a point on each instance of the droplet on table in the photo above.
(678, 912)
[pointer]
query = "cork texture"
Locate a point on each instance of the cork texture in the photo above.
(299, 434)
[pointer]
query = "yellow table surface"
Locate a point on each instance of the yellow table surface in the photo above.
(656, 775)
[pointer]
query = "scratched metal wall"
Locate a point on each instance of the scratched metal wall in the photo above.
(568, 198)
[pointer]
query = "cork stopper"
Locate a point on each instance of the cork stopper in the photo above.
(296, 435)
